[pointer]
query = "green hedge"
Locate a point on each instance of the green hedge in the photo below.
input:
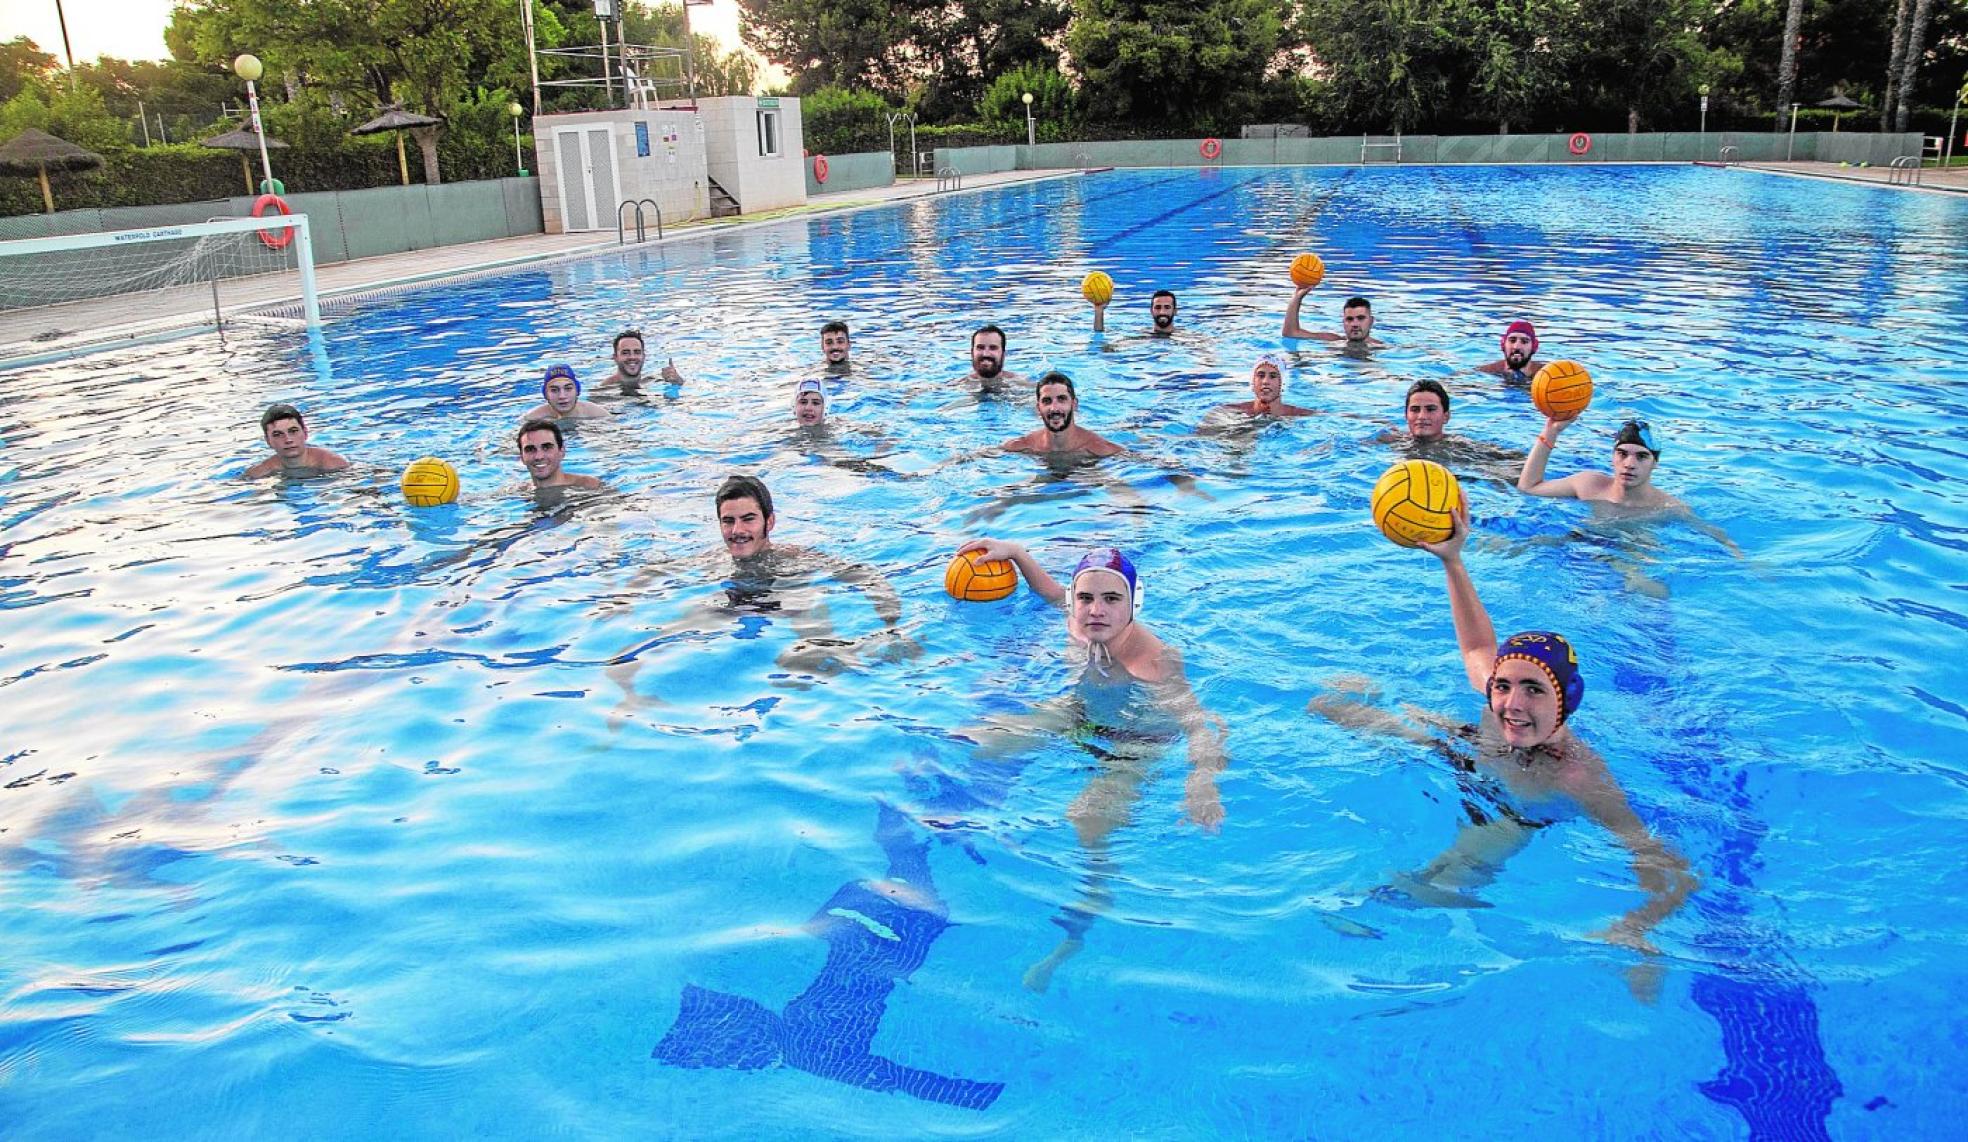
(186, 172)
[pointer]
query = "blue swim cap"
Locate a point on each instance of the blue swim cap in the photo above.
(1110, 559)
(554, 372)
(1555, 656)
(1638, 432)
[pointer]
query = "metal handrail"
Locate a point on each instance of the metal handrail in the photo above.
(1729, 155)
(1081, 158)
(621, 239)
(949, 179)
(1903, 171)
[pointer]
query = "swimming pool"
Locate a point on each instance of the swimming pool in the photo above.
(322, 816)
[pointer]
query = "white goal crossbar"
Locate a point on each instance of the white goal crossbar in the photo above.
(178, 268)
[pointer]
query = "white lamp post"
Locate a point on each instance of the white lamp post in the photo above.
(248, 68)
(1791, 150)
(1702, 146)
(1031, 128)
(515, 110)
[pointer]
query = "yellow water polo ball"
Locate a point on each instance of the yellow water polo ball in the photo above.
(1562, 388)
(1097, 288)
(429, 482)
(1308, 270)
(1414, 502)
(974, 579)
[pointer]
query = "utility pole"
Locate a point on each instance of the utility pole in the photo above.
(67, 52)
(532, 52)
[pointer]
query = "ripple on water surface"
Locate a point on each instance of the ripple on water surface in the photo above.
(329, 815)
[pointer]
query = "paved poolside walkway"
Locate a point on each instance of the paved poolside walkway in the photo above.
(28, 335)
(1952, 179)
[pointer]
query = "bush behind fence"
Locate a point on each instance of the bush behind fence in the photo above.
(186, 172)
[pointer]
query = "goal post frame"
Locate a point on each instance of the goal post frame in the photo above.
(303, 246)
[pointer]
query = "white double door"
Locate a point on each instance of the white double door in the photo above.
(586, 158)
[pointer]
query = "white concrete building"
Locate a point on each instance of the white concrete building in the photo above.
(755, 150)
(724, 155)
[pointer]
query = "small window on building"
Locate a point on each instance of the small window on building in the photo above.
(769, 134)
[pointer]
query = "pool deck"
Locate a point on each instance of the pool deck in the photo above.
(1951, 180)
(28, 336)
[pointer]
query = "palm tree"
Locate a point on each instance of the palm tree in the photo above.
(1910, 67)
(1893, 64)
(1787, 68)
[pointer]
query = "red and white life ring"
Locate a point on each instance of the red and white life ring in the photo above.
(1211, 148)
(819, 168)
(274, 239)
(1580, 143)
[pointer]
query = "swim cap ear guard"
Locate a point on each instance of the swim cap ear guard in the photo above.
(1111, 560)
(1555, 656)
(556, 372)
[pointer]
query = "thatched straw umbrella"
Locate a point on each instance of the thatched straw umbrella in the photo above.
(396, 119)
(33, 152)
(243, 140)
(1839, 105)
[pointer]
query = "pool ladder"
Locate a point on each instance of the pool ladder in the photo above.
(621, 237)
(1372, 143)
(948, 179)
(1729, 156)
(1903, 171)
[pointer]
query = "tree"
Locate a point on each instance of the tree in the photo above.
(1910, 67)
(1640, 56)
(1389, 64)
(718, 72)
(1053, 99)
(965, 48)
(1787, 69)
(1200, 64)
(423, 54)
(1520, 57)
(821, 43)
(1893, 63)
(23, 65)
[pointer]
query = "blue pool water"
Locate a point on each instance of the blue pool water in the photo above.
(321, 816)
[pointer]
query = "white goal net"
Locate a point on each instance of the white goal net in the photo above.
(179, 270)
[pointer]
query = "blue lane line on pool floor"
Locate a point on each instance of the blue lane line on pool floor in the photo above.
(1775, 1074)
(877, 933)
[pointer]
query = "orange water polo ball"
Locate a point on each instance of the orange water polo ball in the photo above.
(974, 579)
(1307, 270)
(1097, 288)
(1562, 388)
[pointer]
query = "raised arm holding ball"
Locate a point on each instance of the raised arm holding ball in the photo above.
(1630, 482)
(1098, 289)
(1124, 663)
(1521, 767)
(1562, 391)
